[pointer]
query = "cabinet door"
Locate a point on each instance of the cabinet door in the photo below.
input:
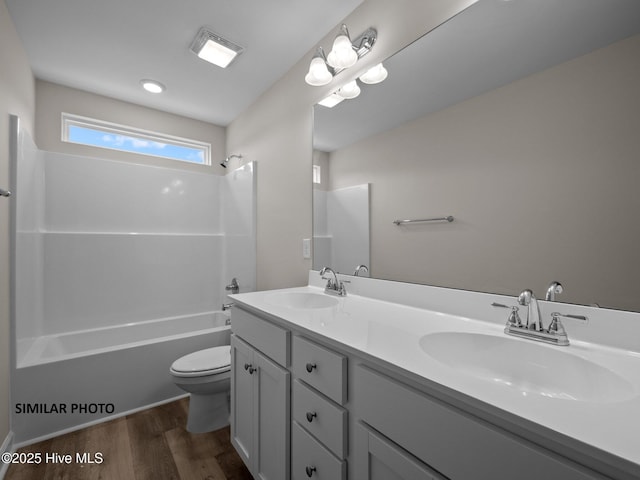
(242, 399)
(272, 433)
(378, 458)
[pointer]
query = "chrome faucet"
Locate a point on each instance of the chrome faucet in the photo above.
(361, 268)
(334, 286)
(554, 289)
(533, 327)
(529, 300)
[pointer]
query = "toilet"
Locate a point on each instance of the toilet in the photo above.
(206, 375)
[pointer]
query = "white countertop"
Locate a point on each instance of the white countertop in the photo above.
(391, 332)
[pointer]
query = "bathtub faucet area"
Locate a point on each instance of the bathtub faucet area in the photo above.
(233, 287)
(227, 306)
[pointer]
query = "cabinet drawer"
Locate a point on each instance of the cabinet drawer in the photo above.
(452, 442)
(321, 368)
(270, 339)
(309, 459)
(321, 417)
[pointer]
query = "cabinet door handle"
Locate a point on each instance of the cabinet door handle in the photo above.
(310, 471)
(311, 367)
(248, 367)
(311, 416)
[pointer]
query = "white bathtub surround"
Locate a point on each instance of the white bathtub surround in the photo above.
(341, 228)
(385, 322)
(103, 242)
(238, 215)
(111, 256)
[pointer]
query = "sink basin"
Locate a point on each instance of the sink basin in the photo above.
(302, 300)
(527, 366)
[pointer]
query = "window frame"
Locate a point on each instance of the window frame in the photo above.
(70, 120)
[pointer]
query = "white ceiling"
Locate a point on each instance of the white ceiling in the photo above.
(492, 43)
(107, 47)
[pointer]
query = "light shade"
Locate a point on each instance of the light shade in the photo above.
(342, 55)
(152, 86)
(375, 74)
(214, 49)
(318, 73)
(349, 90)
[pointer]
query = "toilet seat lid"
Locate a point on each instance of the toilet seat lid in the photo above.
(210, 360)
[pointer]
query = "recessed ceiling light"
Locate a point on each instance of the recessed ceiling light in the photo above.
(214, 49)
(152, 86)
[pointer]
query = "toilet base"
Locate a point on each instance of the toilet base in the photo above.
(208, 413)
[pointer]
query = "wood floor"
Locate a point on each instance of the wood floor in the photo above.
(148, 445)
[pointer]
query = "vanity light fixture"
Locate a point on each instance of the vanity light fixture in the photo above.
(214, 49)
(152, 86)
(344, 54)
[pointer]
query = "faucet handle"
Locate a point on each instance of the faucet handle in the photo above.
(555, 315)
(233, 286)
(514, 318)
(556, 326)
(329, 281)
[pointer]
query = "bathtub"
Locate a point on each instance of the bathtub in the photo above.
(51, 348)
(72, 380)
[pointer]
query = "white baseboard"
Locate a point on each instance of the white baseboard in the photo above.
(7, 446)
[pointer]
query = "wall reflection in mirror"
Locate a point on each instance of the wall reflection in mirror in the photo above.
(519, 119)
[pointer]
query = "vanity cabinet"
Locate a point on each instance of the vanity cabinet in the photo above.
(319, 427)
(353, 416)
(378, 458)
(260, 396)
(415, 430)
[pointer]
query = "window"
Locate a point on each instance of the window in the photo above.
(316, 174)
(96, 133)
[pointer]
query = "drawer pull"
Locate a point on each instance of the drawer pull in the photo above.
(248, 367)
(311, 416)
(311, 367)
(310, 471)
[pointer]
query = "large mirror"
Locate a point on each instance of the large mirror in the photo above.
(521, 120)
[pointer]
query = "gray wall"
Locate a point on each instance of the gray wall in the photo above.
(540, 174)
(53, 99)
(17, 97)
